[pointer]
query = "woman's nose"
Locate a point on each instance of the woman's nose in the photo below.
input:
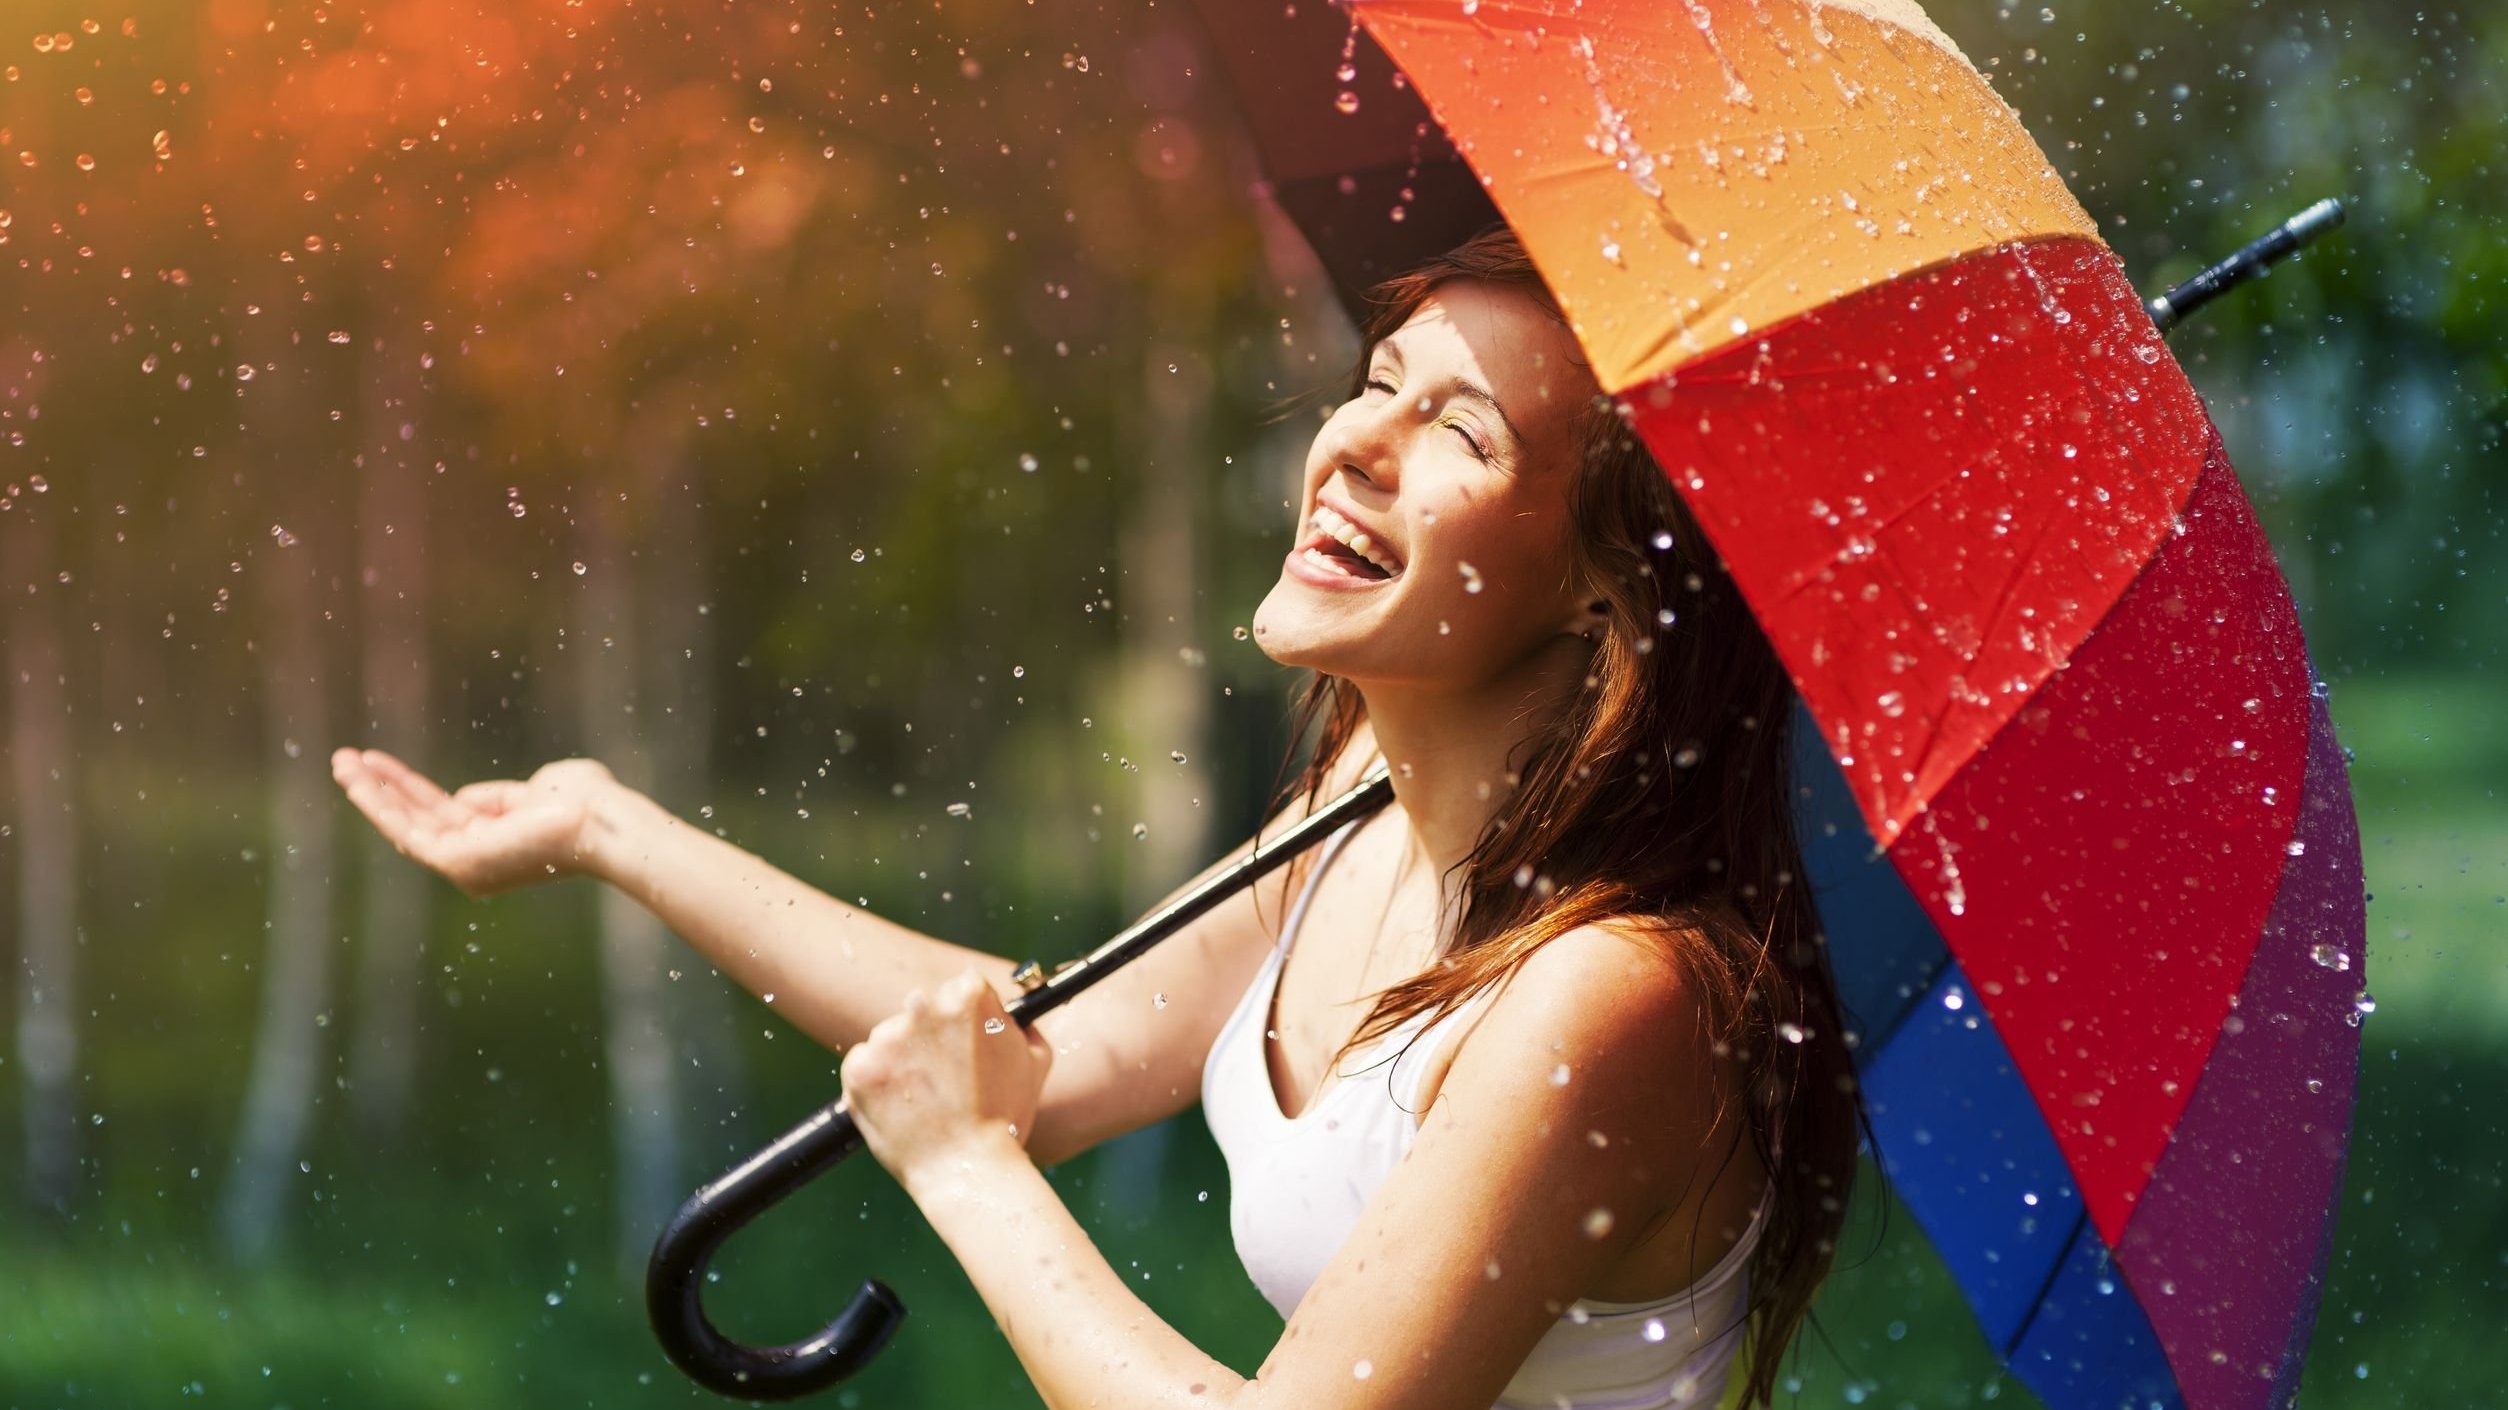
(1366, 441)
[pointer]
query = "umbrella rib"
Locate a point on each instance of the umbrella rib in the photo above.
(2056, 1270)
(1994, 619)
(1898, 1018)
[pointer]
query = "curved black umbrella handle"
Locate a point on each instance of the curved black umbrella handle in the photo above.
(675, 1276)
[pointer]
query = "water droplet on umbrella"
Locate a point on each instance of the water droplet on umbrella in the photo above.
(1611, 249)
(2332, 957)
(2315, 1086)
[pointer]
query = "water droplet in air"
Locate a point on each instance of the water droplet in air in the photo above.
(960, 810)
(1471, 576)
(1653, 1330)
(1140, 831)
(1027, 462)
(580, 570)
(1347, 102)
(1176, 754)
(994, 1025)
(860, 557)
(1239, 633)
(1362, 1369)
(1559, 1075)
(554, 1298)
(1598, 1224)
(1663, 539)
(1158, 1001)
(279, 533)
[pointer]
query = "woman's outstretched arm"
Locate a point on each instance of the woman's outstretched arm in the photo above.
(1129, 1051)
(1574, 1105)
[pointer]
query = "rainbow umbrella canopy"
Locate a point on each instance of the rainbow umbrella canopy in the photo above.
(2082, 840)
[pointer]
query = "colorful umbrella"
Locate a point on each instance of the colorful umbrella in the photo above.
(2083, 841)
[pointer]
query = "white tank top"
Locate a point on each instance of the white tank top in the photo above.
(1296, 1188)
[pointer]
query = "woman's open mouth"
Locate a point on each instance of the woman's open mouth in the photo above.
(1339, 550)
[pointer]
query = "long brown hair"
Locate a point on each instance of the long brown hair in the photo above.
(1659, 796)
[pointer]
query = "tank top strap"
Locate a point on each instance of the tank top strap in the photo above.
(1306, 891)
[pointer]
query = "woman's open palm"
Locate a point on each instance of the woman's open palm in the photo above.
(486, 837)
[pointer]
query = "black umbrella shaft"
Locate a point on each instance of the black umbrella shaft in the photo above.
(2258, 256)
(675, 1276)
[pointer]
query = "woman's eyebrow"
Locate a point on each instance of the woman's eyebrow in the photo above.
(1473, 391)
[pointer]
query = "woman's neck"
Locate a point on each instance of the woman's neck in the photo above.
(1449, 749)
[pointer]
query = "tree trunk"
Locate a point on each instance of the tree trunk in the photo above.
(1166, 701)
(678, 730)
(41, 756)
(392, 548)
(636, 1037)
(288, 1046)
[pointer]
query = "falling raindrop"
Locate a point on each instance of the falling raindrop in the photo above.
(1471, 576)
(1347, 102)
(1158, 1001)
(1239, 633)
(1598, 1223)
(279, 533)
(1027, 462)
(1362, 1369)
(1176, 754)
(580, 570)
(1140, 831)
(1653, 1330)
(859, 556)
(960, 810)
(1663, 540)
(994, 1025)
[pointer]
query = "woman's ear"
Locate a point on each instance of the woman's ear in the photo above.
(1591, 620)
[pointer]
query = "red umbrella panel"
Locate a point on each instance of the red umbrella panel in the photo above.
(2107, 959)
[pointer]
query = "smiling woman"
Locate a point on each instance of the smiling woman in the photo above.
(1602, 1145)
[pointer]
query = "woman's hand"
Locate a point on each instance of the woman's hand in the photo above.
(947, 1078)
(490, 836)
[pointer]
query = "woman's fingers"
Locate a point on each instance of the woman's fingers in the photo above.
(417, 788)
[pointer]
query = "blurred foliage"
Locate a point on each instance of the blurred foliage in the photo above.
(886, 290)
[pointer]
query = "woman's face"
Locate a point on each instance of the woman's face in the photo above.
(1430, 545)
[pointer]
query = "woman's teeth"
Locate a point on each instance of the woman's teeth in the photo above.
(1355, 539)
